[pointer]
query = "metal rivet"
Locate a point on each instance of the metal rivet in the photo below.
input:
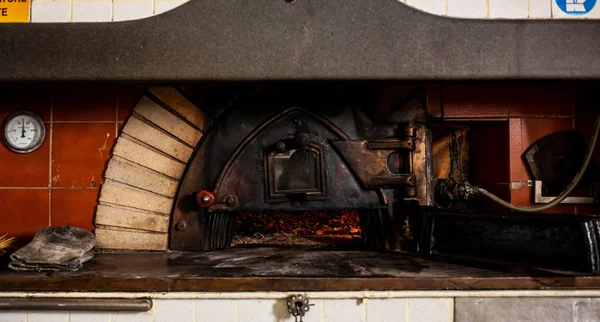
(303, 139)
(280, 146)
(181, 226)
(230, 201)
(205, 199)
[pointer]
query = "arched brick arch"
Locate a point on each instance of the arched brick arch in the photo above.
(143, 174)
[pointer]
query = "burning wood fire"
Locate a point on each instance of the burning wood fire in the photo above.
(298, 227)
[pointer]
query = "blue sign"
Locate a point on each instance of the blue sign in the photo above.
(576, 7)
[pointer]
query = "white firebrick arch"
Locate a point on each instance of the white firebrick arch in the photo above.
(143, 173)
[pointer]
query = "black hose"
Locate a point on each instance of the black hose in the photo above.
(560, 197)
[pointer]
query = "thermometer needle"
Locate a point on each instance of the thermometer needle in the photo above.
(23, 128)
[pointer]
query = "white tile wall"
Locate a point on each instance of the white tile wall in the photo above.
(216, 310)
(132, 9)
(346, 310)
(539, 9)
(430, 310)
(89, 317)
(92, 10)
(436, 7)
(386, 310)
(468, 8)
(48, 317)
(120, 10)
(135, 317)
(161, 6)
(330, 310)
(509, 9)
(51, 11)
(266, 310)
(13, 317)
(175, 310)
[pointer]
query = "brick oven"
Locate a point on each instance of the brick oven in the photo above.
(227, 163)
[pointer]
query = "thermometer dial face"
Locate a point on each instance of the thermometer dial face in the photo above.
(24, 132)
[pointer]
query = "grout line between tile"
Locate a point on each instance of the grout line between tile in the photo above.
(322, 310)
(25, 188)
(50, 162)
(83, 122)
(195, 318)
(49, 188)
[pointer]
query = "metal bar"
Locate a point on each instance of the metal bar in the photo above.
(75, 304)
(538, 198)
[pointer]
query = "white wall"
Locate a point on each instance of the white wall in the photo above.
(261, 310)
(120, 10)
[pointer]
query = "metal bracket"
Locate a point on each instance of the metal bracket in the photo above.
(298, 305)
(538, 198)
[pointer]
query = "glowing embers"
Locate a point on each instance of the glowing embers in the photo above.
(316, 227)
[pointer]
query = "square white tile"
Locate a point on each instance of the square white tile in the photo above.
(132, 9)
(508, 9)
(48, 317)
(266, 310)
(51, 11)
(436, 7)
(161, 6)
(216, 310)
(385, 310)
(174, 310)
(467, 8)
(13, 316)
(430, 310)
(540, 9)
(89, 317)
(132, 317)
(92, 10)
(346, 310)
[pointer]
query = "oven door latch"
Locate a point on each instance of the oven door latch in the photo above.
(298, 305)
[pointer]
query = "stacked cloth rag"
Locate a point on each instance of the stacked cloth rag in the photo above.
(65, 248)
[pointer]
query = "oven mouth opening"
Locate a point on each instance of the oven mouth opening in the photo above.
(294, 228)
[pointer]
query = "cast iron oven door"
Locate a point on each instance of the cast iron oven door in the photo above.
(295, 170)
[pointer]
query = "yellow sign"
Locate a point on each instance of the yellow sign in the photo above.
(14, 10)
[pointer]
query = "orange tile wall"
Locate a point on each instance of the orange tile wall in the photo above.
(530, 112)
(58, 183)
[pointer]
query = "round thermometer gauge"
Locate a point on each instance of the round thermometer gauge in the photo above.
(24, 132)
